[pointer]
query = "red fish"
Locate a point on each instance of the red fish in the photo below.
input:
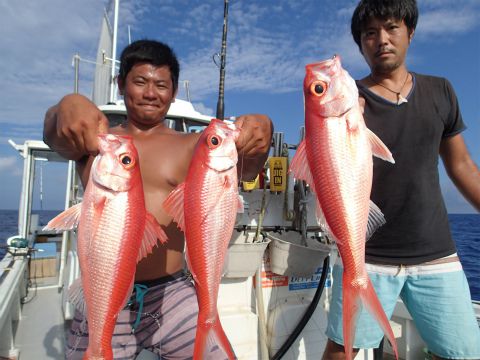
(335, 159)
(114, 232)
(205, 208)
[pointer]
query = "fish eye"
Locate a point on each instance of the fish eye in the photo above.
(127, 160)
(318, 88)
(213, 141)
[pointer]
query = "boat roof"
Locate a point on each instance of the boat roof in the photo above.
(178, 109)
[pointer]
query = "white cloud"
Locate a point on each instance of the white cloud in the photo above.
(9, 164)
(446, 23)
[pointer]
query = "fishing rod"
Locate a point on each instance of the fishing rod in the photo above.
(223, 56)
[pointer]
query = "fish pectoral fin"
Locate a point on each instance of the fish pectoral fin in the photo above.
(379, 149)
(375, 220)
(299, 166)
(240, 204)
(66, 220)
(173, 205)
(76, 297)
(152, 234)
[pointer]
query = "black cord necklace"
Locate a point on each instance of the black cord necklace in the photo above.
(400, 98)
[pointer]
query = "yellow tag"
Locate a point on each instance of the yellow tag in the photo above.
(278, 173)
(251, 185)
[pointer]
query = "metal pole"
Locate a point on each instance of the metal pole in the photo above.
(76, 64)
(223, 56)
(114, 52)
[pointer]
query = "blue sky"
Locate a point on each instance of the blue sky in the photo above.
(269, 43)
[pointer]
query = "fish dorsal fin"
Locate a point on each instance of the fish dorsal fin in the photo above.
(66, 220)
(379, 149)
(76, 297)
(152, 234)
(375, 219)
(299, 166)
(173, 205)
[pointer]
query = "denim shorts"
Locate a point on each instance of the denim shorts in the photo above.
(436, 296)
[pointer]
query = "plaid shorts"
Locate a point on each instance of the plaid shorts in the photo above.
(166, 325)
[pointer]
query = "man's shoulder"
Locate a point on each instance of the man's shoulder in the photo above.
(428, 79)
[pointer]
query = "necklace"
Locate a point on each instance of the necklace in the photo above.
(400, 98)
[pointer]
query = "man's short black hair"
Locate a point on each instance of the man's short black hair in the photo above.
(152, 52)
(405, 10)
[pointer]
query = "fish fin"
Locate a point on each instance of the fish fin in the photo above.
(375, 219)
(373, 305)
(301, 170)
(152, 234)
(240, 204)
(354, 118)
(128, 294)
(351, 308)
(208, 336)
(66, 220)
(189, 265)
(173, 205)
(299, 166)
(379, 149)
(226, 261)
(76, 297)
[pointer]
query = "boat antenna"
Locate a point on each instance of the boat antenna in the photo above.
(223, 55)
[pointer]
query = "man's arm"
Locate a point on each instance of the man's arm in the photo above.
(461, 168)
(253, 144)
(71, 127)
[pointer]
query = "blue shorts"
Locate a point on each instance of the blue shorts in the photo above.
(437, 297)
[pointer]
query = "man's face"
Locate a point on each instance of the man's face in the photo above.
(385, 43)
(148, 92)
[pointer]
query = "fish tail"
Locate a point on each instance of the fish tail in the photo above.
(208, 335)
(371, 302)
(351, 307)
(351, 301)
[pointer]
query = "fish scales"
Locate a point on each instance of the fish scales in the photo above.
(205, 207)
(335, 158)
(114, 232)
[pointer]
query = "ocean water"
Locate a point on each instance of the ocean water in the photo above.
(465, 231)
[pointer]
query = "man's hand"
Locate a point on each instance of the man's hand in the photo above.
(253, 144)
(255, 135)
(72, 126)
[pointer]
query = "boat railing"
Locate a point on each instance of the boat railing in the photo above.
(13, 278)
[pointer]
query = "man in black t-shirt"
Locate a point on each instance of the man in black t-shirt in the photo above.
(413, 255)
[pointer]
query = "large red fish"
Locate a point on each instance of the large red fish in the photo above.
(205, 208)
(335, 159)
(114, 232)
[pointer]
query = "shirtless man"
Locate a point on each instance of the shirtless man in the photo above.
(148, 80)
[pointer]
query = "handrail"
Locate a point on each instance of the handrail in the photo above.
(12, 290)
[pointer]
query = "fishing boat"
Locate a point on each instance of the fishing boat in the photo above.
(274, 295)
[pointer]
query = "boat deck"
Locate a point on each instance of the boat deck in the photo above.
(40, 333)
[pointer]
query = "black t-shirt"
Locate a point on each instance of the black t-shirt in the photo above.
(408, 192)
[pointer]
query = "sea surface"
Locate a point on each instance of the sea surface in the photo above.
(465, 231)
